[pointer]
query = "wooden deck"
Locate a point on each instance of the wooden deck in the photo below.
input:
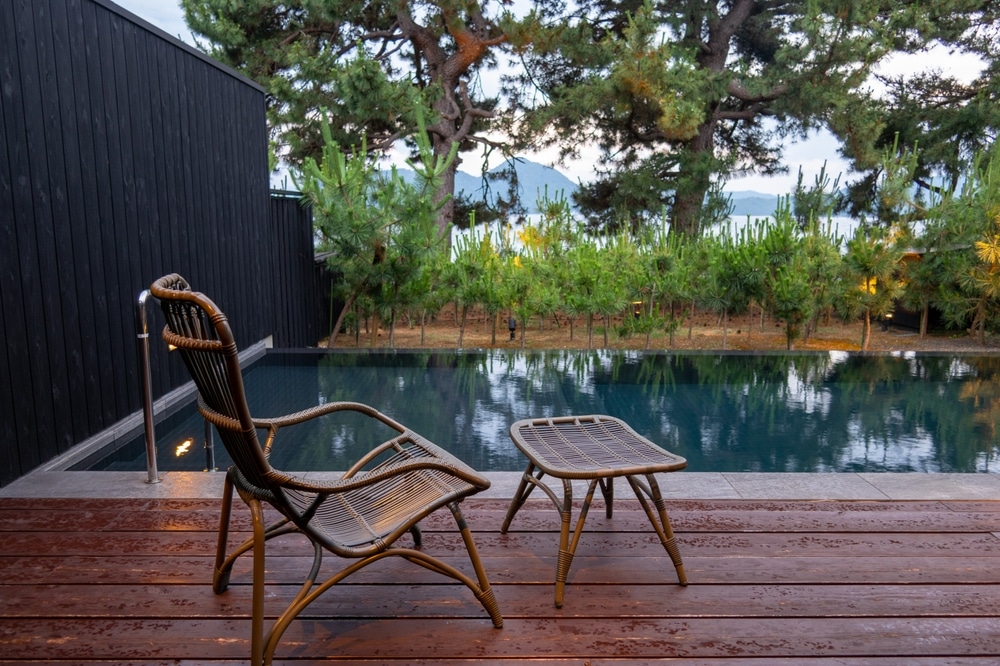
(825, 582)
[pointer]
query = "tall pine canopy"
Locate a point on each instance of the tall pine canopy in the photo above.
(679, 96)
(682, 94)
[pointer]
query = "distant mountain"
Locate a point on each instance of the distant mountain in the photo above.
(754, 204)
(534, 182)
(533, 179)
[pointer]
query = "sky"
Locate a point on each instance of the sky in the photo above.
(810, 155)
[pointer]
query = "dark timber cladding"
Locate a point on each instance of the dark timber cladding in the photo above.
(124, 155)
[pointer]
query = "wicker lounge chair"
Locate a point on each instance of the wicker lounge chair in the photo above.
(358, 516)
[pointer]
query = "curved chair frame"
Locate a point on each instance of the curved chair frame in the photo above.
(358, 516)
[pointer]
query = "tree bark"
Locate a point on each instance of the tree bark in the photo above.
(693, 183)
(461, 326)
(332, 340)
(473, 36)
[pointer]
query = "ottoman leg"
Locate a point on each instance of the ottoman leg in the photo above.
(660, 521)
(567, 547)
(523, 490)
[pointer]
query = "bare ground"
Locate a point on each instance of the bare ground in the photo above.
(702, 332)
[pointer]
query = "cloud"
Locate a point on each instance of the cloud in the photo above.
(166, 15)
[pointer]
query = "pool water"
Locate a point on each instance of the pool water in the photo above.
(754, 412)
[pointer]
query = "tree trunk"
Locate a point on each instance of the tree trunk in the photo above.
(697, 165)
(866, 331)
(445, 193)
(332, 340)
(686, 211)
(446, 68)
(725, 327)
(373, 334)
(924, 316)
(461, 326)
(693, 181)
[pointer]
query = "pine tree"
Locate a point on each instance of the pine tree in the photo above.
(680, 94)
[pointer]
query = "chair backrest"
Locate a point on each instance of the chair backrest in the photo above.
(200, 332)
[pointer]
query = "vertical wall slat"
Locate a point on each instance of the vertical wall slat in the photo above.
(13, 337)
(35, 209)
(95, 167)
(55, 251)
(71, 231)
(87, 273)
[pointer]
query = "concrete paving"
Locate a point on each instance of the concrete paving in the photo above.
(676, 485)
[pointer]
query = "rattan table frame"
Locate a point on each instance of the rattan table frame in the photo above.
(595, 448)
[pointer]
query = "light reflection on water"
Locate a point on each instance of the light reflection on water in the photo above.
(799, 412)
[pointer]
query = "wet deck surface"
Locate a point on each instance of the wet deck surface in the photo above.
(833, 581)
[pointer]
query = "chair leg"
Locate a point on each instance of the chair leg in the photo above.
(418, 540)
(223, 563)
(299, 603)
(220, 577)
(257, 619)
(485, 592)
(310, 591)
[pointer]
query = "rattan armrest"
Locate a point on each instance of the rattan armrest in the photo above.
(356, 476)
(273, 424)
(323, 410)
(381, 473)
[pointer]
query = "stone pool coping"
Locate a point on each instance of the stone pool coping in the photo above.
(677, 485)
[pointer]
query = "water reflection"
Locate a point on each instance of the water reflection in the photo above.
(806, 412)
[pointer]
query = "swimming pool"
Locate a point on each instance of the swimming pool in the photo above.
(733, 412)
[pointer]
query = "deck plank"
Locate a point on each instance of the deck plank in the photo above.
(832, 582)
(406, 639)
(517, 601)
(706, 516)
(530, 569)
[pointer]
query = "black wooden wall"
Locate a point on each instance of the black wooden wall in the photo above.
(124, 155)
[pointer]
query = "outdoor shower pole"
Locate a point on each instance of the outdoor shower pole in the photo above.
(142, 329)
(209, 449)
